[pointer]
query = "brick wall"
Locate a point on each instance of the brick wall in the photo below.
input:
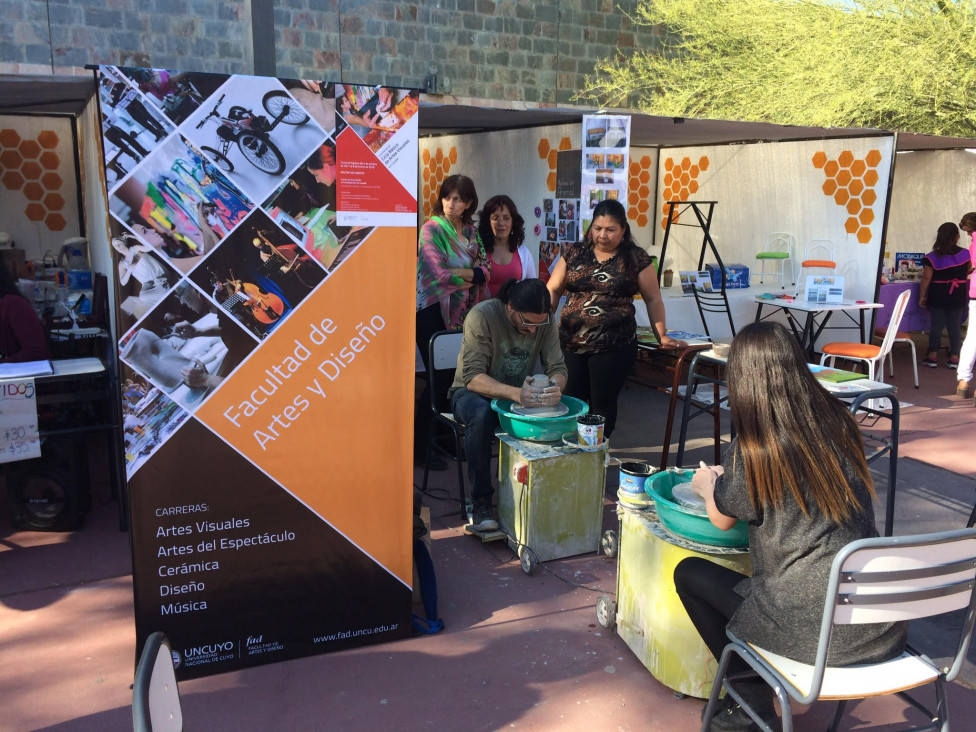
(513, 50)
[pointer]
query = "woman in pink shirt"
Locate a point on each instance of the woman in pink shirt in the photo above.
(968, 353)
(502, 230)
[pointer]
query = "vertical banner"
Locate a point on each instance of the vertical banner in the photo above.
(266, 335)
(606, 148)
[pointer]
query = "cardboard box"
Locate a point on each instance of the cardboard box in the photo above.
(14, 261)
(736, 276)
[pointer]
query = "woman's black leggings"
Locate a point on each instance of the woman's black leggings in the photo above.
(597, 379)
(707, 591)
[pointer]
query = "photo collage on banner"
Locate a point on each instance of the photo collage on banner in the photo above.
(233, 270)
(558, 225)
(604, 166)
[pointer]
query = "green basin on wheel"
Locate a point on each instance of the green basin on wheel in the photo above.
(539, 429)
(685, 521)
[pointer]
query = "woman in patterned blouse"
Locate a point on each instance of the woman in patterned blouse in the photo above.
(601, 275)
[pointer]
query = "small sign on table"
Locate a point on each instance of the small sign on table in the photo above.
(18, 421)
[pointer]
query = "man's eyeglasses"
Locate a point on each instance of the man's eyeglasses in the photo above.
(530, 324)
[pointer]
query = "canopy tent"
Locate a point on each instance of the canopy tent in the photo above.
(69, 95)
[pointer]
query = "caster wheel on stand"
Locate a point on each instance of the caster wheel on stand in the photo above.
(609, 543)
(528, 560)
(606, 612)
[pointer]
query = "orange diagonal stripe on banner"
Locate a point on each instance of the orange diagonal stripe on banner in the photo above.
(335, 421)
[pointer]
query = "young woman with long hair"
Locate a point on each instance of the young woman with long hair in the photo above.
(796, 473)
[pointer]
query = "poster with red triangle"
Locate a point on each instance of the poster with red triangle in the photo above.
(376, 137)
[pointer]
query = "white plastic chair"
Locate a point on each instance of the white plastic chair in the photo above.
(817, 254)
(869, 353)
(879, 580)
(900, 337)
(779, 248)
(155, 695)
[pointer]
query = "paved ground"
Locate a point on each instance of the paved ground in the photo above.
(518, 652)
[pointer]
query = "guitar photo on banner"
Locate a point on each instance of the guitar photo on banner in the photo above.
(258, 275)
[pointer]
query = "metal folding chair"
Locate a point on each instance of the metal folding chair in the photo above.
(442, 353)
(877, 580)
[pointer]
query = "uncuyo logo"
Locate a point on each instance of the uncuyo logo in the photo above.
(177, 659)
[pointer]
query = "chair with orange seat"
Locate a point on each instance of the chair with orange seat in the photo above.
(817, 254)
(871, 354)
(901, 336)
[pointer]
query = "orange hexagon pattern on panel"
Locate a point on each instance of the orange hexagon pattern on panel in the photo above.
(639, 187)
(436, 166)
(850, 182)
(680, 182)
(549, 152)
(22, 166)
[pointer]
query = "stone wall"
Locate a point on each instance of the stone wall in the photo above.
(513, 50)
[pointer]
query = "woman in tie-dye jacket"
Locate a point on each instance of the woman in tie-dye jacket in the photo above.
(452, 277)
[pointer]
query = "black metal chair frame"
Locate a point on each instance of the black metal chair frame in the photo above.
(441, 444)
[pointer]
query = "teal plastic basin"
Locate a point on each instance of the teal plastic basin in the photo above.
(539, 429)
(685, 522)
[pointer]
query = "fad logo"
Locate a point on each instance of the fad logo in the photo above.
(256, 644)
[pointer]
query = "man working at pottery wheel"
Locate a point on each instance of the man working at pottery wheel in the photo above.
(503, 339)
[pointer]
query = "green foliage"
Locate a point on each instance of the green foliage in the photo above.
(893, 64)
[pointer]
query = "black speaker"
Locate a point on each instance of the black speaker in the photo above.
(51, 493)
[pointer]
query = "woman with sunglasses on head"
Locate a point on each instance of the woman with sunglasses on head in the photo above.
(502, 230)
(597, 329)
(452, 277)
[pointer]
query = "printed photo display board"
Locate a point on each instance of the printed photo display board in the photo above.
(265, 236)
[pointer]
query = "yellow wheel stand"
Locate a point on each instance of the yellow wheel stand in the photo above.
(648, 614)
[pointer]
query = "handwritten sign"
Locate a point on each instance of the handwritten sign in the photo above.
(18, 421)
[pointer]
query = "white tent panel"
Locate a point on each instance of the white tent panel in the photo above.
(764, 188)
(929, 189)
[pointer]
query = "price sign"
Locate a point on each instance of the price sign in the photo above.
(18, 421)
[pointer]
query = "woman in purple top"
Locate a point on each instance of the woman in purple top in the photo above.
(968, 353)
(943, 292)
(21, 333)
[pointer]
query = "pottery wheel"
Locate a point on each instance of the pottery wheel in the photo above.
(556, 410)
